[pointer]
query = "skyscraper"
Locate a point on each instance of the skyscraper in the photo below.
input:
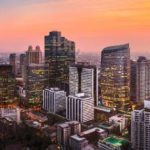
(115, 76)
(83, 78)
(22, 63)
(13, 62)
(33, 56)
(7, 83)
(133, 80)
(140, 127)
(59, 54)
(36, 80)
(143, 79)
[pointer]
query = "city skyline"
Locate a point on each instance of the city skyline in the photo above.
(94, 24)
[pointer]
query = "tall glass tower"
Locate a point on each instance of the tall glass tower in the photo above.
(115, 76)
(59, 54)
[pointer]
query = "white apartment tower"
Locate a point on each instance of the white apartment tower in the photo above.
(143, 79)
(54, 100)
(80, 108)
(140, 127)
(83, 78)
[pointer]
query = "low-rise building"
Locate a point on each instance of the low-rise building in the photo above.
(113, 143)
(118, 120)
(77, 143)
(65, 130)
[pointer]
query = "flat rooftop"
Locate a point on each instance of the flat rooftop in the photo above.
(115, 141)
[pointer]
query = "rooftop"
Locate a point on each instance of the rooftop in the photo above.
(92, 130)
(115, 141)
(78, 138)
(116, 47)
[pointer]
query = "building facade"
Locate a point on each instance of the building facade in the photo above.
(59, 54)
(133, 80)
(33, 56)
(65, 130)
(13, 62)
(54, 100)
(7, 83)
(80, 108)
(115, 76)
(83, 78)
(140, 127)
(143, 79)
(22, 63)
(36, 80)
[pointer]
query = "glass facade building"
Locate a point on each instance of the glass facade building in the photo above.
(7, 83)
(115, 76)
(59, 54)
(36, 79)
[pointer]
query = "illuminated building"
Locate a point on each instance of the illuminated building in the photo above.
(13, 62)
(7, 83)
(140, 127)
(80, 108)
(59, 54)
(133, 81)
(115, 76)
(54, 100)
(143, 79)
(33, 56)
(36, 79)
(83, 78)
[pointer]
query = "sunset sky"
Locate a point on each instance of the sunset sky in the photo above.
(92, 24)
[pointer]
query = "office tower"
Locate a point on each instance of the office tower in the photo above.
(140, 127)
(33, 56)
(143, 79)
(80, 108)
(133, 80)
(54, 100)
(22, 63)
(7, 84)
(115, 76)
(59, 54)
(65, 130)
(36, 80)
(83, 78)
(13, 62)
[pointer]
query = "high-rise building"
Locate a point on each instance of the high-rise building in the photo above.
(80, 108)
(7, 83)
(115, 76)
(54, 100)
(22, 63)
(133, 80)
(36, 80)
(59, 54)
(143, 79)
(33, 56)
(140, 127)
(65, 130)
(83, 78)
(13, 62)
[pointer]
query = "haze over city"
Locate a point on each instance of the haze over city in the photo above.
(93, 25)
